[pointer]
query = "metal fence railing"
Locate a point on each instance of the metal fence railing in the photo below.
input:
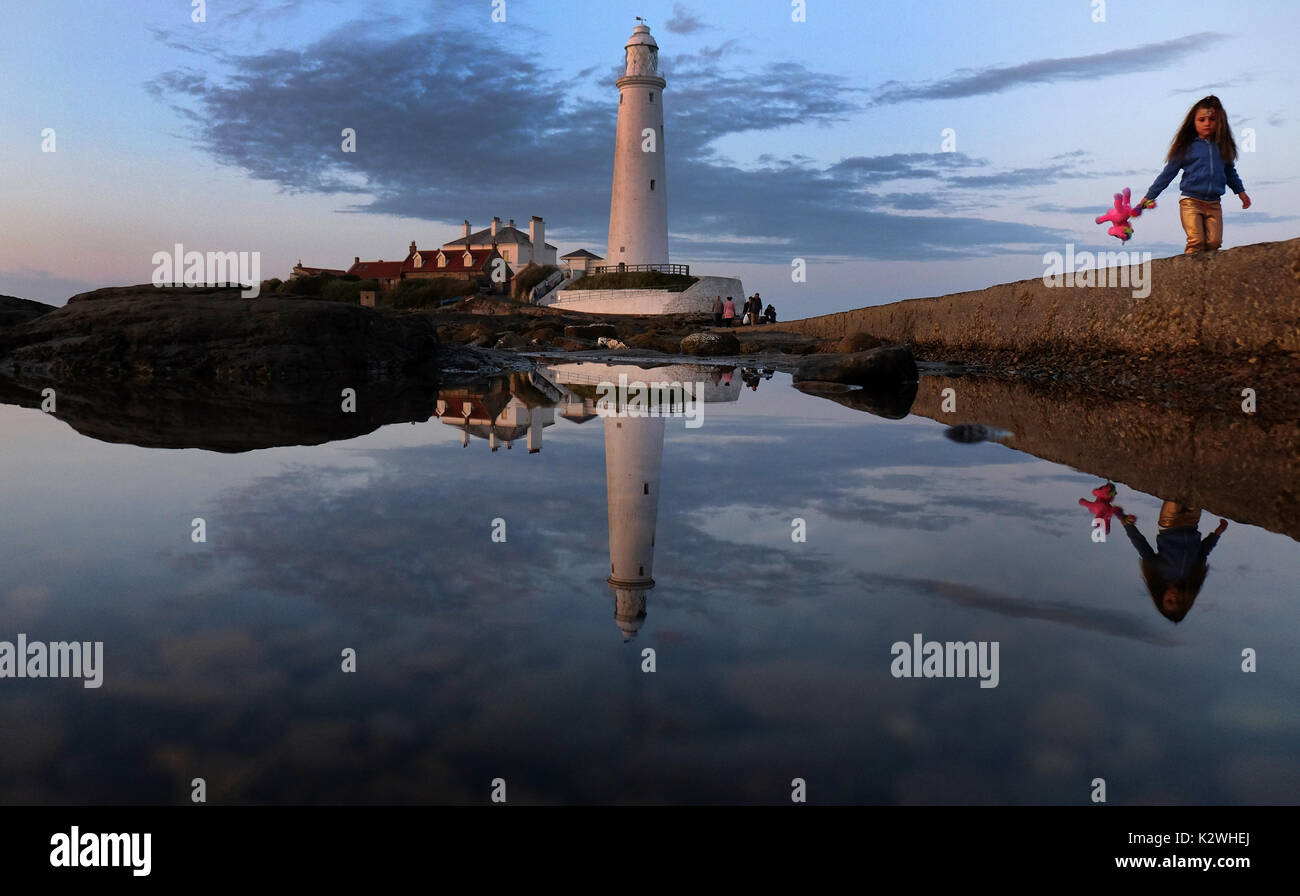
(623, 268)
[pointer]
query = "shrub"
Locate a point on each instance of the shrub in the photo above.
(425, 292)
(347, 290)
(306, 286)
(531, 276)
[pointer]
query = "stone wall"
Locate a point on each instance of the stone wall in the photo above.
(698, 297)
(1245, 299)
(1229, 463)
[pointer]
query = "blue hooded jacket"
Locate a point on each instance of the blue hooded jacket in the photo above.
(1204, 174)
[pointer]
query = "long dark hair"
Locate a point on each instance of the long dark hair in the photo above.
(1187, 591)
(1187, 132)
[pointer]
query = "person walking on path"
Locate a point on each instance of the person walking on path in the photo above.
(729, 313)
(1205, 151)
(717, 311)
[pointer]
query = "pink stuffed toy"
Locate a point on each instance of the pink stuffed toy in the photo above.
(1120, 214)
(1101, 508)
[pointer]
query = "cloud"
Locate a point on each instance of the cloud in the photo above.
(448, 129)
(914, 201)
(683, 21)
(1018, 177)
(1054, 208)
(967, 83)
(1086, 618)
(1205, 89)
(1263, 218)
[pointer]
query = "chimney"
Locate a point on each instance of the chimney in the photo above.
(465, 231)
(412, 247)
(537, 236)
(496, 224)
(356, 259)
(534, 434)
(512, 223)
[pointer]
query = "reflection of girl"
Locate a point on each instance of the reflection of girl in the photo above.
(1175, 571)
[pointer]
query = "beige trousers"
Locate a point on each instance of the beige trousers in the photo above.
(1174, 515)
(1203, 222)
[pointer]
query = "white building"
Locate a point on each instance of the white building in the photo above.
(516, 247)
(580, 261)
(638, 205)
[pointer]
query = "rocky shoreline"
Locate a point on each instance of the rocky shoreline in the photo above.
(278, 349)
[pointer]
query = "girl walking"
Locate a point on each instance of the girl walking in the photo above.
(1205, 151)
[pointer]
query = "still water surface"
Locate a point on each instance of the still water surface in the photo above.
(518, 659)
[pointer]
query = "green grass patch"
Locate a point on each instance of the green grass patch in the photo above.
(635, 280)
(427, 292)
(532, 276)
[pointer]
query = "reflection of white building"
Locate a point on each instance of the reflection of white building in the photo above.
(522, 405)
(519, 407)
(634, 449)
(579, 380)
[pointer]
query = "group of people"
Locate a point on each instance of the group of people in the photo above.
(753, 313)
(750, 376)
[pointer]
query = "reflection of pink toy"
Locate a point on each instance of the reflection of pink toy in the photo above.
(1101, 508)
(1120, 214)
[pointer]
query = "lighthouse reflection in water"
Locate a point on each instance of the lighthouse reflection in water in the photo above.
(521, 406)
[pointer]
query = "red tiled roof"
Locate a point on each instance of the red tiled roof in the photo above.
(376, 269)
(455, 261)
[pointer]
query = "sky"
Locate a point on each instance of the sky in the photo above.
(900, 151)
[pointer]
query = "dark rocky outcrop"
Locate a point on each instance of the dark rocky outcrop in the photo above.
(14, 311)
(205, 368)
(591, 331)
(858, 342)
(892, 401)
(196, 335)
(228, 418)
(877, 367)
(658, 342)
(710, 344)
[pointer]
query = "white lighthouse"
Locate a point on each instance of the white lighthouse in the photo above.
(638, 205)
(634, 449)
